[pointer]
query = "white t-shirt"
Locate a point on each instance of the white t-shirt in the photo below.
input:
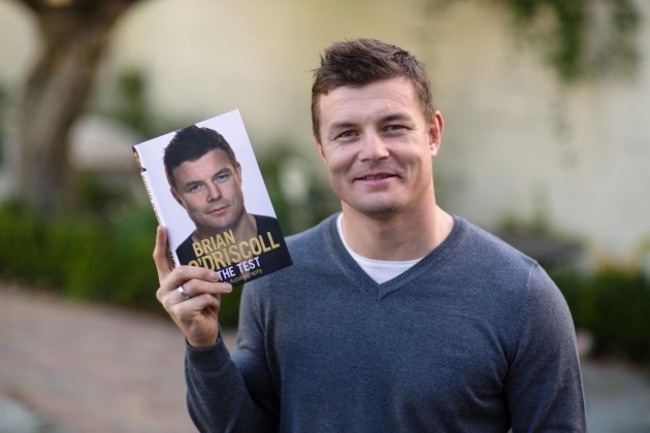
(379, 270)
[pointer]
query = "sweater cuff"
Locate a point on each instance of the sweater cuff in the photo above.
(207, 358)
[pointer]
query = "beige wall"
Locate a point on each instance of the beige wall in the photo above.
(17, 42)
(516, 142)
(520, 142)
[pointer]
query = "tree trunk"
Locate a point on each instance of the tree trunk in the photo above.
(75, 36)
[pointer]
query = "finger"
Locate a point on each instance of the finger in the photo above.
(173, 297)
(196, 286)
(201, 279)
(197, 319)
(192, 311)
(183, 293)
(161, 254)
(200, 303)
(194, 281)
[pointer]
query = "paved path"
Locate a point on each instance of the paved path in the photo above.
(77, 368)
(91, 369)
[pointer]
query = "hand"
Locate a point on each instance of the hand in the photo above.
(196, 310)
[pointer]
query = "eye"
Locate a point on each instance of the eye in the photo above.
(192, 188)
(346, 135)
(395, 129)
(222, 177)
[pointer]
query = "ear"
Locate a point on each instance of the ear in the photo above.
(319, 145)
(238, 170)
(176, 196)
(436, 126)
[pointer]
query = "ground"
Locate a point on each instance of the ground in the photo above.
(73, 367)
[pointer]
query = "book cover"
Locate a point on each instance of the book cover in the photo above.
(207, 189)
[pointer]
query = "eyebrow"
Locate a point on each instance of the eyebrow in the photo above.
(345, 124)
(225, 170)
(397, 116)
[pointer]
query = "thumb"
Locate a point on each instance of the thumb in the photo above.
(161, 253)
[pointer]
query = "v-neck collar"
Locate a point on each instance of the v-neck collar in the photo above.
(363, 282)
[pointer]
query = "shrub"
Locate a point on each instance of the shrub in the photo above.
(614, 305)
(88, 258)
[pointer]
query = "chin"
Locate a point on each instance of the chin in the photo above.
(377, 210)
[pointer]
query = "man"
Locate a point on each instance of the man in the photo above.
(205, 178)
(396, 316)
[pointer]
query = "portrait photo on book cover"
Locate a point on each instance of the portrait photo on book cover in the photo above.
(207, 189)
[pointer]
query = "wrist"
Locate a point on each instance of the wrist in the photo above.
(204, 342)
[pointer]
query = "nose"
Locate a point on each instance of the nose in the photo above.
(214, 192)
(373, 147)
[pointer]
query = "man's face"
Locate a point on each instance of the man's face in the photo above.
(210, 191)
(377, 147)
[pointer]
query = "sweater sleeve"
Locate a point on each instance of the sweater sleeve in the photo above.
(544, 384)
(229, 394)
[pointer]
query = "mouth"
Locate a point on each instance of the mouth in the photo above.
(217, 210)
(375, 177)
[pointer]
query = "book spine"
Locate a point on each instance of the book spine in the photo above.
(147, 186)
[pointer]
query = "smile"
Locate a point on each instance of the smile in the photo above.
(378, 176)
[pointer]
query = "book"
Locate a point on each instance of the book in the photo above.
(207, 190)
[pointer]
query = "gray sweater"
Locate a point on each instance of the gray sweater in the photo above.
(474, 338)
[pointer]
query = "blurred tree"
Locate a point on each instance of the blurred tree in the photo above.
(74, 36)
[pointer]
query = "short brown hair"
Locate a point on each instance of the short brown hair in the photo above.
(363, 61)
(190, 144)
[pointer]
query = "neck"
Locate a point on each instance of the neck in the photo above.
(404, 236)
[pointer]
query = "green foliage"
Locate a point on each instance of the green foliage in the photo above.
(20, 229)
(614, 305)
(571, 18)
(86, 258)
(575, 27)
(81, 258)
(99, 199)
(131, 107)
(318, 202)
(3, 99)
(578, 38)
